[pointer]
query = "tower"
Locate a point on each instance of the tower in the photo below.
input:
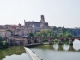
(24, 22)
(42, 19)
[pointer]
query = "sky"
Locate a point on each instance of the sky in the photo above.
(57, 12)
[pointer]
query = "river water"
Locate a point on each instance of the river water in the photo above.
(46, 52)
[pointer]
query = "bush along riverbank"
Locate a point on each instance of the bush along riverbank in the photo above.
(3, 43)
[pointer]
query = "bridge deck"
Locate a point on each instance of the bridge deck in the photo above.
(32, 55)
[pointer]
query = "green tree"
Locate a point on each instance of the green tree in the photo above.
(54, 28)
(45, 32)
(67, 34)
(31, 34)
(60, 35)
(52, 33)
(37, 34)
(3, 44)
(1, 39)
(60, 29)
(9, 30)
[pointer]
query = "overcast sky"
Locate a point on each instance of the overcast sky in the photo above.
(57, 12)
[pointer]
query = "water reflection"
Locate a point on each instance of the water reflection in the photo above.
(66, 47)
(57, 52)
(57, 47)
(44, 47)
(47, 52)
(71, 48)
(11, 51)
(23, 56)
(60, 47)
(76, 44)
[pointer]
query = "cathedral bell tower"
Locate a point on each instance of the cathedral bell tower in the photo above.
(42, 21)
(42, 18)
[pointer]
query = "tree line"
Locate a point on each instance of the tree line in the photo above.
(55, 32)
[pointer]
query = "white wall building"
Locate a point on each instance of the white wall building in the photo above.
(5, 33)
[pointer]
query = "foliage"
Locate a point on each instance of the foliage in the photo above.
(55, 28)
(45, 40)
(36, 41)
(31, 34)
(16, 35)
(9, 30)
(3, 44)
(45, 32)
(55, 40)
(62, 32)
(67, 34)
(56, 32)
(1, 38)
(37, 34)
(60, 35)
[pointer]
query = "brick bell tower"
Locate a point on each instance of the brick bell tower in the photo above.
(42, 21)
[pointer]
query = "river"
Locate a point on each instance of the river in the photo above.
(46, 52)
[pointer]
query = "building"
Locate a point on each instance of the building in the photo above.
(40, 24)
(24, 30)
(5, 33)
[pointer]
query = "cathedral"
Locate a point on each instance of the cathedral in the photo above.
(41, 24)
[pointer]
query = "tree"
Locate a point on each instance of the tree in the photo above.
(45, 32)
(31, 34)
(16, 35)
(59, 29)
(67, 34)
(1, 39)
(9, 30)
(60, 35)
(3, 44)
(55, 28)
(37, 34)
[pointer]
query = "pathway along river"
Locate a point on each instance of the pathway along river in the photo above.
(46, 52)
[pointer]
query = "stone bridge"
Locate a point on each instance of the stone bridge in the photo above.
(50, 39)
(39, 40)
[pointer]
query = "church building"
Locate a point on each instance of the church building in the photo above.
(41, 24)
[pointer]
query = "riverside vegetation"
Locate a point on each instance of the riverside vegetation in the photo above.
(3, 43)
(55, 32)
